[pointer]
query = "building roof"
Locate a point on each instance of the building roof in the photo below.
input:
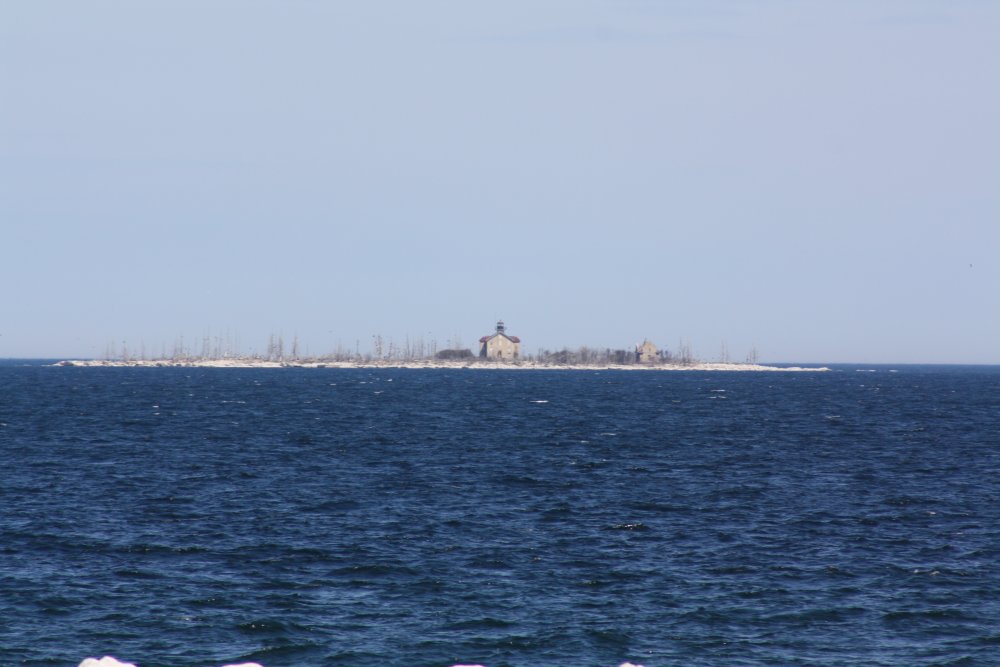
(513, 339)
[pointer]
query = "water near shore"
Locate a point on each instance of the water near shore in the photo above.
(424, 518)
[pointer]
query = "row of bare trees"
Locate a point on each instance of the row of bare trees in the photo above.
(277, 349)
(586, 356)
(682, 355)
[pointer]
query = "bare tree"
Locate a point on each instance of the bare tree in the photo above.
(684, 355)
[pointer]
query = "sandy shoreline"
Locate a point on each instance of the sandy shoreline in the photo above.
(434, 364)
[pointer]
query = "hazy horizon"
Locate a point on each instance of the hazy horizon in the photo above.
(814, 181)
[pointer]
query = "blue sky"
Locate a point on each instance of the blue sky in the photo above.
(818, 180)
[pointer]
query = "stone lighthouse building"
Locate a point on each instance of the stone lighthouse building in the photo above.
(500, 345)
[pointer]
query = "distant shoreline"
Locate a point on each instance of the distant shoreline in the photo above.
(432, 364)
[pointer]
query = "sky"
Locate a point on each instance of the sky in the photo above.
(819, 181)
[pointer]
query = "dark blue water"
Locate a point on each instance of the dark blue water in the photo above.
(422, 518)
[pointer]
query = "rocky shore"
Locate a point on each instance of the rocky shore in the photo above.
(438, 364)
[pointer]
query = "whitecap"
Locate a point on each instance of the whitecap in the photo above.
(538, 401)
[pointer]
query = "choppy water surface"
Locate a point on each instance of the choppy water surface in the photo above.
(421, 518)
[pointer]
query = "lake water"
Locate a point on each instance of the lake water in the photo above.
(410, 518)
